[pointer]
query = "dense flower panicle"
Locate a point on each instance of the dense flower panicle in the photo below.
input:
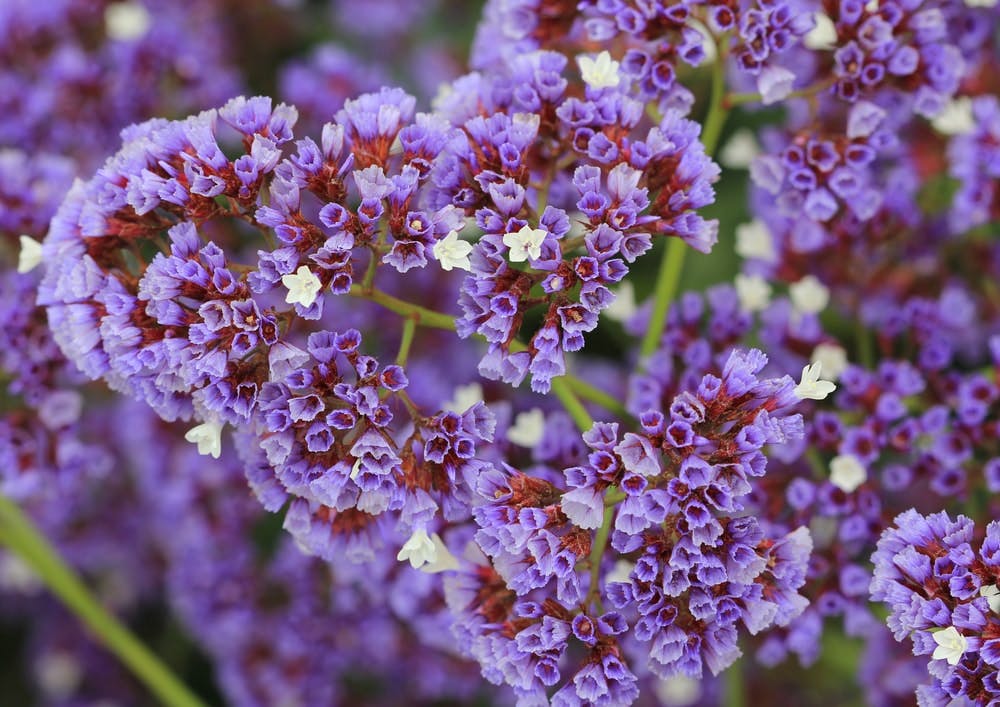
(903, 47)
(939, 581)
(626, 185)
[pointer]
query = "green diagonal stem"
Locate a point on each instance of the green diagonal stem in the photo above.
(22, 537)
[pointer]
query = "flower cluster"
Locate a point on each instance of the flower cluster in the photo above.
(940, 585)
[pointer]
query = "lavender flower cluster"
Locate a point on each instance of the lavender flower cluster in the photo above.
(363, 376)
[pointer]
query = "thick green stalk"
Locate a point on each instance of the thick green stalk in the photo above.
(409, 329)
(21, 536)
(572, 404)
(672, 262)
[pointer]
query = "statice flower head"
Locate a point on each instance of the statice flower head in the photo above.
(938, 578)
(973, 160)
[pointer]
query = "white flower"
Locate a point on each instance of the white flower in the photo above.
(303, 286)
(823, 35)
(678, 690)
(810, 386)
(753, 240)
(208, 437)
(452, 252)
(809, 295)
(956, 118)
(16, 575)
(59, 674)
(526, 243)
(443, 560)
(464, 397)
(992, 594)
(980, 3)
(847, 472)
(601, 72)
(950, 645)
(624, 306)
(419, 549)
(30, 255)
(126, 21)
(527, 428)
(739, 150)
(753, 291)
(832, 359)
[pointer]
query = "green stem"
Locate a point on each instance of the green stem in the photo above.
(735, 687)
(409, 329)
(565, 387)
(572, 404)
(595, 395)
(667, 282)
(672, 262)
(424, 316)
(866, 345)
(597, 549)
(21, 536)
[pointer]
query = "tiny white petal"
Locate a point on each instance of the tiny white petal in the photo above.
(621, 572)
(810, 386)
(208, 437)
(956, 118)
(624, 306)
(527, 429)
(599, 72)
(740, 150)
(950, 645)
(753, 240)
(16, 575)
(59, 674)
(126, 21)
(980, 3)
(443, 560)
(303, 286)
(525, 244)
(809, 295)
(992, 594)
(464, 397)
(753, 291)
(30, 256)
(678, 690)
(847, 473)
(832, 359)
(823, 35)
(774, 84)
(451, 252)
(419, 549)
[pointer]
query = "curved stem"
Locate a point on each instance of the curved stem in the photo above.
(672, 262)
(566, 387)
(597, 550)
(23, 538)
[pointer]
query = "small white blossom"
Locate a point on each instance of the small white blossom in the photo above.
(303, 286)
(810, 386)
(678, 690)
(847, 472)
(59, 674)
(527, 428)
(599, 72)
(823, 35)
(753, 240)
(624, 306)
(356, 469)
(740, 149)
(16, 575)
(30, 256)
(832, 359)
(443, 560)
(980, 3)
(526, 243)
(753, 292)
(621, 572)
(452, 252)
(950, 645)
(464, 397)
(809, 295)
(992, 594)
(956, 118)
(126, 21)
(208, 437)
(419, 549)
